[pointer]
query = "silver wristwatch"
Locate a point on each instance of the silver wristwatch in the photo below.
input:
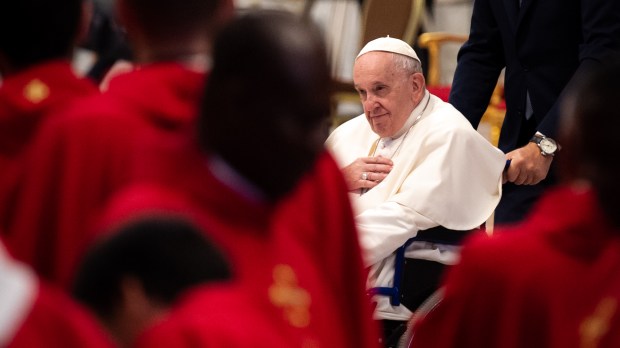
(547, 146)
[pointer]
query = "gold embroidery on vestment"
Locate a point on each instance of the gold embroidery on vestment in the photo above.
(36, 91)
(594, 327)
(286, 294)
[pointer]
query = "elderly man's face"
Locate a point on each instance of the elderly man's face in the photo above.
(387, 92)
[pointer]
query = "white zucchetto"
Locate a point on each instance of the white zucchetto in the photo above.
(389, 44)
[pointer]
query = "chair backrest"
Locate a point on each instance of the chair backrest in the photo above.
(494, 115)
(433, 41)
(396, 18)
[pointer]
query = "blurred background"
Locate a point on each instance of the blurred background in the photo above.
(435, 28)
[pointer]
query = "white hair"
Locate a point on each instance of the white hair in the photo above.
(406, 63)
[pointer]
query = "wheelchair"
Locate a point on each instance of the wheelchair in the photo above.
(419, 297)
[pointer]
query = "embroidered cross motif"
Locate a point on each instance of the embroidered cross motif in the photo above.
(36, 91)
(594, 327)
(286, 294)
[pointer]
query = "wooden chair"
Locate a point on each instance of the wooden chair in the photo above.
(433, 42)
(396, 18)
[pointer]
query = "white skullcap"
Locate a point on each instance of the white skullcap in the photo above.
(389, 44)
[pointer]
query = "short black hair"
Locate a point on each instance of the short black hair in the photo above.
(268, 95)
(590, 134)
(170, 18)
(167, 255)
(33, 31)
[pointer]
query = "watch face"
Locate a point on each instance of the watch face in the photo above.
(548, 146)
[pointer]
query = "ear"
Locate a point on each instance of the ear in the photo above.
(223, 14)
(85, 20)
(418, 84)
(136, 311)
(123, 14)
(571, 163)
(226, 11)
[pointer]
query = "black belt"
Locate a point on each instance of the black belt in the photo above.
(442, 235)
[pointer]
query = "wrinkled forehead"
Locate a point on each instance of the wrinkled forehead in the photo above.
(377, 67)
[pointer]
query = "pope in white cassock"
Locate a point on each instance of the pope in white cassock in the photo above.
(412, 162)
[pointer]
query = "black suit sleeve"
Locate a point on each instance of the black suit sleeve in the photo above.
(480, 62)
(600, 30)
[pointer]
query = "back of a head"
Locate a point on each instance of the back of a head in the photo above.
(33, 31)
(165, 255)
(167, 19)
(589, 135)
(267, 104)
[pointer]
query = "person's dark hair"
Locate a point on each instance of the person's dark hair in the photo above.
(166, 255)
(589, 135)
(33, 31)
(107, 40)
(266, 104)
(170, 18)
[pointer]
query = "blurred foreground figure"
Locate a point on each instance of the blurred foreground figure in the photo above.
(262, 185)
(84, 155)
(555, 280)
(35, 315)
(133, 275)
(37, 79)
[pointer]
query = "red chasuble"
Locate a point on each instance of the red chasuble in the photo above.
(216, 316)
(553, 281)
(82, 157)
(299, 259)
(26, 99)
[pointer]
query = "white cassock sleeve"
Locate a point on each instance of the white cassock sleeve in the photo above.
(386, 227)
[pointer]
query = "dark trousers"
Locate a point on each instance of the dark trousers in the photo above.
(421, 279)
(392, 331)
(516, 202)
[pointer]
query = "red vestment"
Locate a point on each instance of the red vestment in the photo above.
(26, 99)
(553, 281)
(299, 258)
(86, 154)
(216, 316)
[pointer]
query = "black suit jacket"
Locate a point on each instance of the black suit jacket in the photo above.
(543, 45)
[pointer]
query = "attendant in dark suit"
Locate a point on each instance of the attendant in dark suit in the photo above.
(553, 280)
(544, 46)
